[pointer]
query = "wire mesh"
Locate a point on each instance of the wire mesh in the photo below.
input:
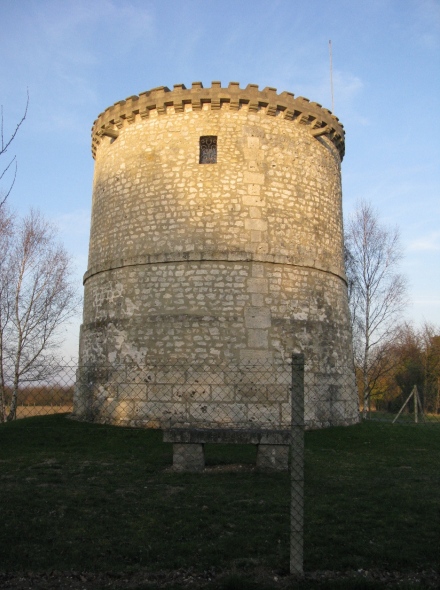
(224, 396)
(266, 406)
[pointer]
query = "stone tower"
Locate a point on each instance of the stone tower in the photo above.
(216, 238)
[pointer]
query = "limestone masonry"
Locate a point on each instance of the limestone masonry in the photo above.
(216, 239)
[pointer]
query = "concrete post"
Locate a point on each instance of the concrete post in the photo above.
(297, 467)
(273, 457)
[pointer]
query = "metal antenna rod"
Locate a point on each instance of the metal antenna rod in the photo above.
(331, 75)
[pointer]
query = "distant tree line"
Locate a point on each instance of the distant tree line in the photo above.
(41, 395)
(413, 359)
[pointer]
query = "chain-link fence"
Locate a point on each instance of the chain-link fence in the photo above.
(44, 392)
(265, 405)
(411, 406)
(225, 396)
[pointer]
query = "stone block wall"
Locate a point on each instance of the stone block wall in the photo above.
(238, 261)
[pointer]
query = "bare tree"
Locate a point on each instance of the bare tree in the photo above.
(36, 298)
(378, 292)
(5, 143)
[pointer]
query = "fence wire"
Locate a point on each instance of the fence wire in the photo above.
(265, 405)
(225, 395)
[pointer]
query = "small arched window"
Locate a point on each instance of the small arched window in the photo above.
(208, 149)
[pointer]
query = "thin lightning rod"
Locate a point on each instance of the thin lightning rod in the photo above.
(331, 75)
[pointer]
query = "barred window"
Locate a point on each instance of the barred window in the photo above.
(208, 149)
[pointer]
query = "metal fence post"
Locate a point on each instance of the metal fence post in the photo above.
(297, 467)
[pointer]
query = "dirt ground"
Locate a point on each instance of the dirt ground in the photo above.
(190, 578)
(30, 411)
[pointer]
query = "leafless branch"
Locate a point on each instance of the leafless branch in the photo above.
(5, 143)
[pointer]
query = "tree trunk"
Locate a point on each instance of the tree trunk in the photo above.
(365, 380)
(13, 407)
(2, 404)
(366, 396)
(14, 399)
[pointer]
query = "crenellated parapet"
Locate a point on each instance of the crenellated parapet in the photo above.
(163, 101)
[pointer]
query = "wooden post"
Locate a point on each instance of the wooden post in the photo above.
(406, 401)
(416, 404)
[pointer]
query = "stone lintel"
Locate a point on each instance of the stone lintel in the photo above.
(249, 436)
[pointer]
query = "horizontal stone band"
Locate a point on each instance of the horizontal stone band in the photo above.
(238, 256)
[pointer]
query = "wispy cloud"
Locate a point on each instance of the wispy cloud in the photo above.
(427, 23)
(62, 54)
(73, 28)
(75, 223)
(348, 89)
(428, 243)
(430, 301)
(347, 85)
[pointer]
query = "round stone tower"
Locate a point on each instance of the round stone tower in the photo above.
(216, 238)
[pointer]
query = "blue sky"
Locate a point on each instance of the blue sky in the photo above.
(78, 57)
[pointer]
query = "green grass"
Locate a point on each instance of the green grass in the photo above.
(374, 490)
(405, 418)
(84, 497)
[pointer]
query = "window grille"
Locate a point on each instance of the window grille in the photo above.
(208, 149)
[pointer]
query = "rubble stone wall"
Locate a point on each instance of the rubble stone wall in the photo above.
(238, 261)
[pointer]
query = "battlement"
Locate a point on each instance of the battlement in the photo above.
(164, 101)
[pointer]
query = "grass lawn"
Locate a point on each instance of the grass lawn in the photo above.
(90, 498)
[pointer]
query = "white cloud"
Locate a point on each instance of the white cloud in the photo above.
(64, 48)
(347, 85)
(347, 90)
(73, 28)
(427, 301)
(430, 242)
(75, 223)
(429, 11)
(425, 30)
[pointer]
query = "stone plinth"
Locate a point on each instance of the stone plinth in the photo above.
(188, 446)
